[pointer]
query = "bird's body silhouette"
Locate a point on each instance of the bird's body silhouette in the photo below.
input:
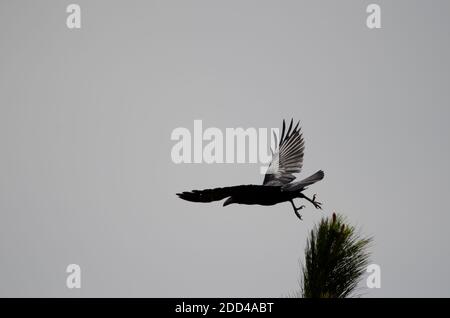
(279, 183)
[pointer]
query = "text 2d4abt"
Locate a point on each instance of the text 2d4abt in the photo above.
(230, 307)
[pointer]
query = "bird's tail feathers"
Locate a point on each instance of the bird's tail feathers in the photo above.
(301, 185)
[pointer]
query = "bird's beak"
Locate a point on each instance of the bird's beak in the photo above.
(228, 201)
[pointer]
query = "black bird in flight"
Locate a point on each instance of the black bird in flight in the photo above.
(278, 185)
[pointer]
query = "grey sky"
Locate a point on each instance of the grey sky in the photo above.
(86, 116)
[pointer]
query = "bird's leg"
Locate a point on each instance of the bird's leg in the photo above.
(317, 205)
(297, 209)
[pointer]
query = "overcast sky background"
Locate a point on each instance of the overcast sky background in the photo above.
(86, 175)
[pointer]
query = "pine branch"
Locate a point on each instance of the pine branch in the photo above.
(335, 259)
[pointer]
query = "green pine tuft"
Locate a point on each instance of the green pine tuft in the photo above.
(336, 257)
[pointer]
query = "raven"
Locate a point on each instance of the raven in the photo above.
(278, 185)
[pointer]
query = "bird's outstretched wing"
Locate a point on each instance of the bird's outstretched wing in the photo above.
(209, 195)
(287, 158)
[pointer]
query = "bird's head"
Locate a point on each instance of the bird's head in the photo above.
(228, 201)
